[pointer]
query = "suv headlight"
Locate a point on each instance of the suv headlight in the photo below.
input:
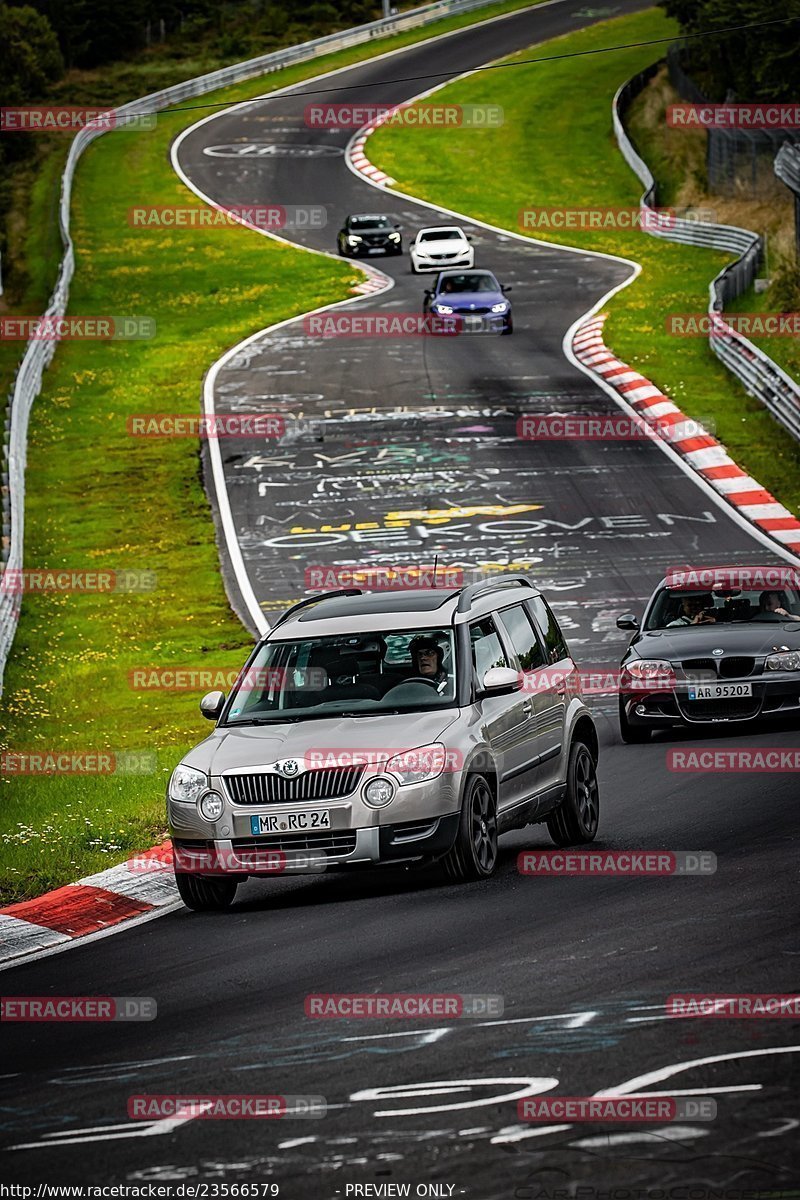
(354, 239)
(787, 660)
(415, 766)
(394, 237)
(186, 784)
(649, 672)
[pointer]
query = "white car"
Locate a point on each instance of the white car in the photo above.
(441, 246)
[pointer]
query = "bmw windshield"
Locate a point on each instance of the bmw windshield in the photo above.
(409, 670)
(674, 608)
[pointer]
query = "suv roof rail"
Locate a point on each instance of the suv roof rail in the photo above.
(313, 600)
(474, 590)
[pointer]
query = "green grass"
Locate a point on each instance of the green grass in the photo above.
(97, 498)
(557, 130)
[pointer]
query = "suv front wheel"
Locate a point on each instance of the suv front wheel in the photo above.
(474, 852)
(202, 893)
(576, 818)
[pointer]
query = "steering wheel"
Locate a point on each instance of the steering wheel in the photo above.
(416, 679)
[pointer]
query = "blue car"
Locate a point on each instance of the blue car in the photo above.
(475, 297)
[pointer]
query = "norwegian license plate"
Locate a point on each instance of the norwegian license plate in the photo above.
(295, 822)
(721, 691)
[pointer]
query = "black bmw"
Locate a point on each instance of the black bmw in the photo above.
(712, 653)
(369, 233)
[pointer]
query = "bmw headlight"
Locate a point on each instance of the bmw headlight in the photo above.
(787, 660)
(442, 308)
(648, 672)
(186, 784)
(501, 307)
(418, 765)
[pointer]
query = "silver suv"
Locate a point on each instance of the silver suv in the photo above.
(388, 727)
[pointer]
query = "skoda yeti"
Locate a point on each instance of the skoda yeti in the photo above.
(388, 727)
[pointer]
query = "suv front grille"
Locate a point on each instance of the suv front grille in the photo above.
(327, 783)
(334, 843)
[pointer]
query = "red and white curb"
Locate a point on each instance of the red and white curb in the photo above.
(703, 453)
(356, 156)
(90, 906)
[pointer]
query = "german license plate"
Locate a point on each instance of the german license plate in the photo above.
(295, 822)
(720, 691)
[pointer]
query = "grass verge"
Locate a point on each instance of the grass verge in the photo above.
(97, 498)
(557, 149)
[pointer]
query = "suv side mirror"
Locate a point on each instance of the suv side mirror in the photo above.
(398, 226)
(212, 704)
(501, 679)
(627, 621)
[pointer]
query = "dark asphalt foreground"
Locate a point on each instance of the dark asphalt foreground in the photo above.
(584, 965)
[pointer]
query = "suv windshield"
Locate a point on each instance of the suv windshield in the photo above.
(370, 223)
(469, 283)
(724, 606)
(408, 670)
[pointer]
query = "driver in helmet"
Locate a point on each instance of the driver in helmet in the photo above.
(427, 657)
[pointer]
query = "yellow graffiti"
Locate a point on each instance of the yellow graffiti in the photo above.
(473, 510)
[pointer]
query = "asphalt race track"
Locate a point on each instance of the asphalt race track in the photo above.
(402, 449)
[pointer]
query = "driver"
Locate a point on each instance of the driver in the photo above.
(427, 657)
(692, 610)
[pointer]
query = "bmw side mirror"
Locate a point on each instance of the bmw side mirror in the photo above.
(212, 704)
(627, 621)
(501, 679)
(469, 239)
(428, 292)
(506, 289)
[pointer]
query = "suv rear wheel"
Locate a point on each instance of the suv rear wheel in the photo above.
(576, 818)
(201, 893)
(474, 853)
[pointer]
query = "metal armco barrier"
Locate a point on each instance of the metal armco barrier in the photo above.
(39, 354)
(762, 377)
(787, 168)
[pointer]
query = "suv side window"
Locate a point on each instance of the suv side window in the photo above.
(523, 638)
(487, 650)
(555, 645)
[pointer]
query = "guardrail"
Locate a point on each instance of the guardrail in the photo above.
(39, 354)
(787, 168)
(762, 377)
